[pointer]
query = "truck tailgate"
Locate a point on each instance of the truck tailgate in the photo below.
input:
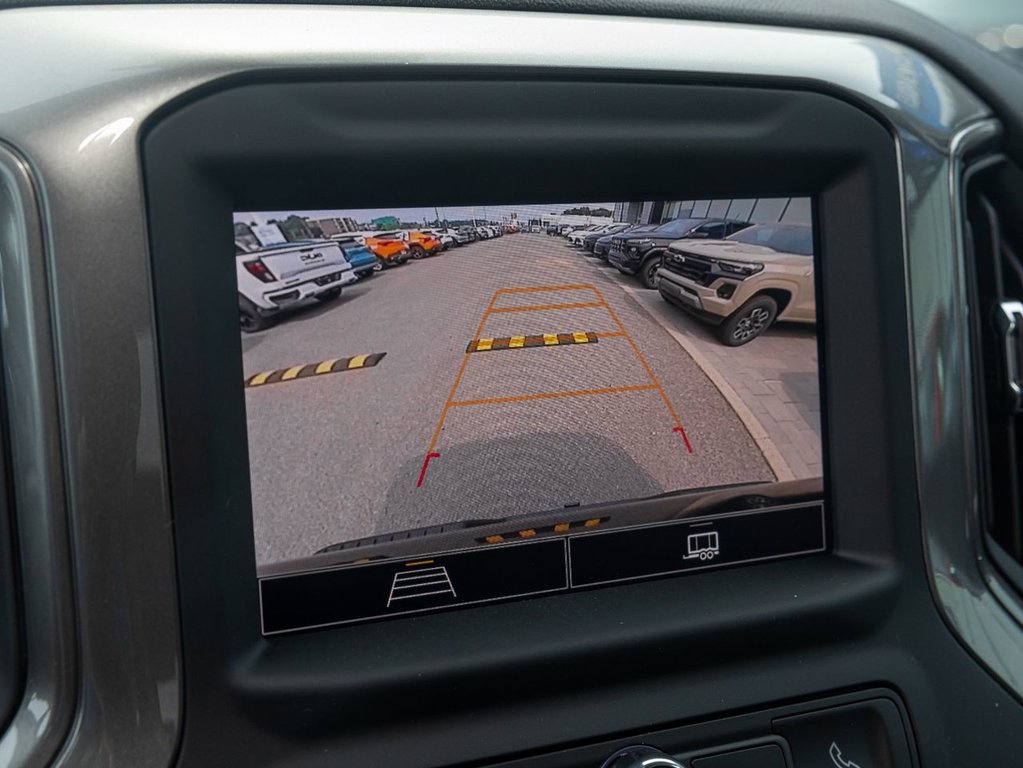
(289, 262)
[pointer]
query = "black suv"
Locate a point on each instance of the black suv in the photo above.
(590, 241)
(640, 253)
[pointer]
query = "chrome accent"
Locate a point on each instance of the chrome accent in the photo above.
(1010, 315)
(641, 756)
(78, 121)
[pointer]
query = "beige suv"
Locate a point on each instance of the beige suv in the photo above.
(744, 283)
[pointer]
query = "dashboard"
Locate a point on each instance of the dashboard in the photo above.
(610, 387)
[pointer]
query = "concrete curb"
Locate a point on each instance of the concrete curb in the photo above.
(772, 455)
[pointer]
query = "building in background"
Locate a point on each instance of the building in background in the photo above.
(327, 227)
(336, 225)
(296, 228)
(559, 219)
(386, 222)
(790, 210)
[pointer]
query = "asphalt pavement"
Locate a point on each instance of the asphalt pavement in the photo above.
(581, 398)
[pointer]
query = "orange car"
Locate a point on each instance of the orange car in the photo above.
(421, 244)
(390, 250)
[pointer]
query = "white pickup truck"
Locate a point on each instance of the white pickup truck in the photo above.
(276, 276)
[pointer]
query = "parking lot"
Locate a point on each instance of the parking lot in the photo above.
(517, 375)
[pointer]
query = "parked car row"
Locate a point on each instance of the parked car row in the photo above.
(738, 276)
(271, 278)
(592, 232)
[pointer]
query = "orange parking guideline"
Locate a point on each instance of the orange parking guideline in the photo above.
(552, 395)
(649, 371)
(458, 380)
(543, 288)
(538, 307)
(621, 333)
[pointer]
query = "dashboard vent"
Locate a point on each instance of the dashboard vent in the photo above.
(994, 242)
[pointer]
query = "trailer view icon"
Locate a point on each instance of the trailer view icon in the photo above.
(703, 546)
(420, 582)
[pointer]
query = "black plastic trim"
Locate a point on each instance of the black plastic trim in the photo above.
(690, 742)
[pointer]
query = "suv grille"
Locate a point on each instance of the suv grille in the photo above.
(696, 268)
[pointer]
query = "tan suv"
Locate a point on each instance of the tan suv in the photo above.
(744, 283)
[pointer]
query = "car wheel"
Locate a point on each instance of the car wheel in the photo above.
(748, 321)
(328, 295)
(648, 272)
(378, 267)
(252, 319)
(417, 251)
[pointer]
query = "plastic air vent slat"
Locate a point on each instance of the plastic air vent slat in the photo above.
(994, 203)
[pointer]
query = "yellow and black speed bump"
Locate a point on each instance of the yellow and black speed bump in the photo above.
(531, 533)
(337, 365)
(524, 342)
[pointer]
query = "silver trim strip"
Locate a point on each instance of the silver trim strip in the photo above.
(1009, 311)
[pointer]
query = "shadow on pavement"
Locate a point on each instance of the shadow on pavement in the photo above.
(252, 340)
(511, 476)
(308, 310)
(311, 309)
(784, 330)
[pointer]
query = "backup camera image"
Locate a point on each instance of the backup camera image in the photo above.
(431, 379)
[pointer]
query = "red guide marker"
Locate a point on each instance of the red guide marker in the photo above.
(426, 463)
(678, 429)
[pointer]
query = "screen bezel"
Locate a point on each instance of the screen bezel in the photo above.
(224, 150)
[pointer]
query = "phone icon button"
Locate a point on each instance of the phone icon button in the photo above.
(838, 760)
(865, 734)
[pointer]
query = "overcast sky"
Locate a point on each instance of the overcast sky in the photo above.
(491, 212)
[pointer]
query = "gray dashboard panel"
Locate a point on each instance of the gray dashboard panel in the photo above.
(76, 121)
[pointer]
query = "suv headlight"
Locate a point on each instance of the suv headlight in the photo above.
(742, 269)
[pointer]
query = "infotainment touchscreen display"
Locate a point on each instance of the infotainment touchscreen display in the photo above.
(456, 405)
